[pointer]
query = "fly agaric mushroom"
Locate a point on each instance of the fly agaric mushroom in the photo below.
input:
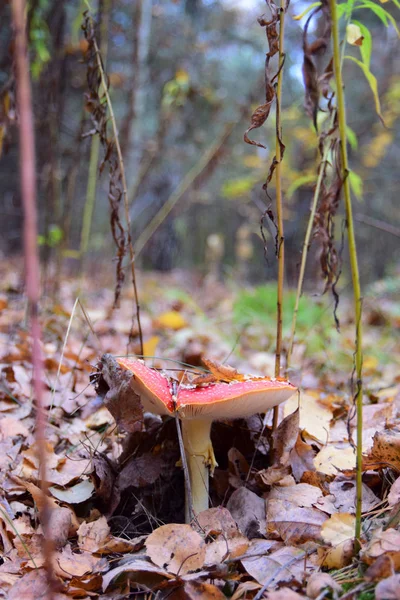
(197, 407)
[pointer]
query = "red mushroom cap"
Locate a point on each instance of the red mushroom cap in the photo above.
(213, 401)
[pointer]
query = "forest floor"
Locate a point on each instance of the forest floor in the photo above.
(282, 525)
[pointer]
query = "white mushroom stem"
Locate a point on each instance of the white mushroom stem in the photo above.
(201, 461)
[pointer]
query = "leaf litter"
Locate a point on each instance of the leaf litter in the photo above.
(284, 520)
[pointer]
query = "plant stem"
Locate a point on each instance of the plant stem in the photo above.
(341, 108)
(94, 151)
(279, 217)
(32, 275)
(124, 190)
(306, 247)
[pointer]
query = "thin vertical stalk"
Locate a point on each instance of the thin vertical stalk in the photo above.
(341, 108)
(279, 216)
(104, 12)
(304, 254)
(124, 190)
(32, 275)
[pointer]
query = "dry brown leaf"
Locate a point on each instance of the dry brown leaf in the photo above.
(285, 437)
(197, 590)
(32, 586)
(243, 589)
(223, 372)
(284, 594)
(281, 565)
(318, 582)
(136, 565)
(385, 451)
(248, 510)
(70, 564)
(176, 548)
(388, 589)
(394, 494)
(382, 542)
(92, 536)
(10, 427)
(291, 513)
(301, 458)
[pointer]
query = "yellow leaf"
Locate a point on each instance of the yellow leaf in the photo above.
(150, 346)
(332, 459)
(314, 417)
(339, 532)
(171, 320)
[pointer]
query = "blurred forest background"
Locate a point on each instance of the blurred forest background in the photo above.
(185, 76)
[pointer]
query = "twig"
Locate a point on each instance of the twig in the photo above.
(279, 216)
(341, 108)
(185, 184)
(378, 224)
(124, 189)
(32, 275)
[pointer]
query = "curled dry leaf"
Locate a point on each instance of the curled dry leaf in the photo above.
(176, 548)
(260, 115)
(75, 494)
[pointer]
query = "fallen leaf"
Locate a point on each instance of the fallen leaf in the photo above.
(318, 582)
(314, 417)
(332, 459)
(382, 542)
(176, 548)
(248, 510)
(338, 531)
(72, 564)
(388, 589)
(281, 565)
(197, 590)
(32, 586)
(75, 494)
(135, 565)
(91, 536)
(394, 494)
(385, 451)
(170, 320)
